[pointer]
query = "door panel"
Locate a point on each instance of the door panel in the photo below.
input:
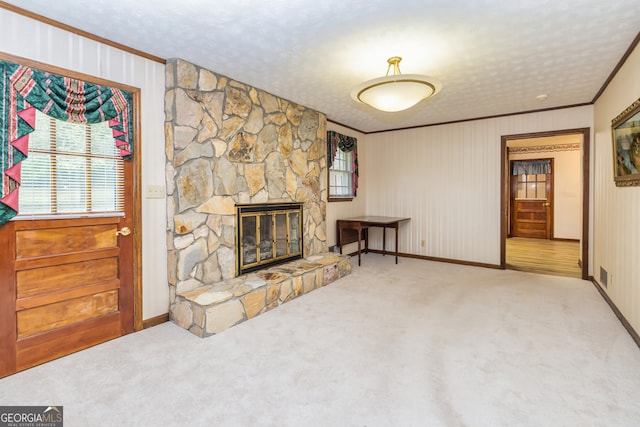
(48, 317)
(59, 278)
(530, 219)
(69, 237)
(73, 287)
(54, 297)
(60, 342)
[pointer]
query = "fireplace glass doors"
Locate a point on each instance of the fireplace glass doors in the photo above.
(268, 234)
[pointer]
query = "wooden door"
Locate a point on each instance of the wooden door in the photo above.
(531, 219)
(532, 206)
(66, 284)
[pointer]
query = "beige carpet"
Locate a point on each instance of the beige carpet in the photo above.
(415, 344)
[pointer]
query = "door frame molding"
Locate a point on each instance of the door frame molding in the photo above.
(137, 210)
(586, 201)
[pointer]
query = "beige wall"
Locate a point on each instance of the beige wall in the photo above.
(27, 38)
(617, 209)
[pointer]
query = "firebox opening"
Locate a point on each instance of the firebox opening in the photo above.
(267, 234)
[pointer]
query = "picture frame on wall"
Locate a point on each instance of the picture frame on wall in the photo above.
(626, 146)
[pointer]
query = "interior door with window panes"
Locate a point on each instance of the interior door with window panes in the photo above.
(531, 206)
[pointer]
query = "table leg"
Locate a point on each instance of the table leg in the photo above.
(396, 244)
(366, 240)
(384, 241)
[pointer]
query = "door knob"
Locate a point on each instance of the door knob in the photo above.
(125, 231)
(547, 204)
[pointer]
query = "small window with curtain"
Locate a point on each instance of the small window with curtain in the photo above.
(63, 142)
(72, 168)
(343, 166)
(340, 176)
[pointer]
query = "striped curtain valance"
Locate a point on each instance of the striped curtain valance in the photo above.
(531, 167)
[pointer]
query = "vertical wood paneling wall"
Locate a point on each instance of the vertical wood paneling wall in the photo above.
(617, 209)
(447, 179)
(30, 39)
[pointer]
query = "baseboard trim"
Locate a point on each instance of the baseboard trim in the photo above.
(431, 258)
(155, 321)
(619, 315)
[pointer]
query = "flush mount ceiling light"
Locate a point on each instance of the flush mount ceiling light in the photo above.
(396, 92)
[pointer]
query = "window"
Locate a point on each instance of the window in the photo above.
(71, 168)
(532, 186)
(342, 158)
(340, 176)
(531, 181)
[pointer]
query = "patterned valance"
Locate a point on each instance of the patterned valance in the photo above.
(347, 144)
(23, 90)
(531, 167)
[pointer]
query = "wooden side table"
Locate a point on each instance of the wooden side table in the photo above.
(365, 222)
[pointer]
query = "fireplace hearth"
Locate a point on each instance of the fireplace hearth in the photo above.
(267, 234)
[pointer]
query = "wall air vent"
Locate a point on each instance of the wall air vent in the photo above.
(604, 277)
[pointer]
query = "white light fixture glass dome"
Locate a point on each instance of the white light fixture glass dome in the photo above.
(396, 92)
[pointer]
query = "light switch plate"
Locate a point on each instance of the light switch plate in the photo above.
(155, 192)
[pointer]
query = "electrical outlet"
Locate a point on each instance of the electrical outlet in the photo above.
(423, 243)
(155, 192)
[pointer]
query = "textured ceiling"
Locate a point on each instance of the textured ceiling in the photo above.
(493, 56)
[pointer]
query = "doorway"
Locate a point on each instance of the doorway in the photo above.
(538, 146)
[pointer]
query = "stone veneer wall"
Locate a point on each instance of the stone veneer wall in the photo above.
(228, 143)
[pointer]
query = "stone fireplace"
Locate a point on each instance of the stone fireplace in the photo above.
(230, 144)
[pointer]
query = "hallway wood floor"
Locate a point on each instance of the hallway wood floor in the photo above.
(555, 257)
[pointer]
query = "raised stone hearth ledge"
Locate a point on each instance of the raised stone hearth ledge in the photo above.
(210, 309)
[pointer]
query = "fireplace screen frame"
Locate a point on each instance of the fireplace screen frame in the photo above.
(259, 213)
